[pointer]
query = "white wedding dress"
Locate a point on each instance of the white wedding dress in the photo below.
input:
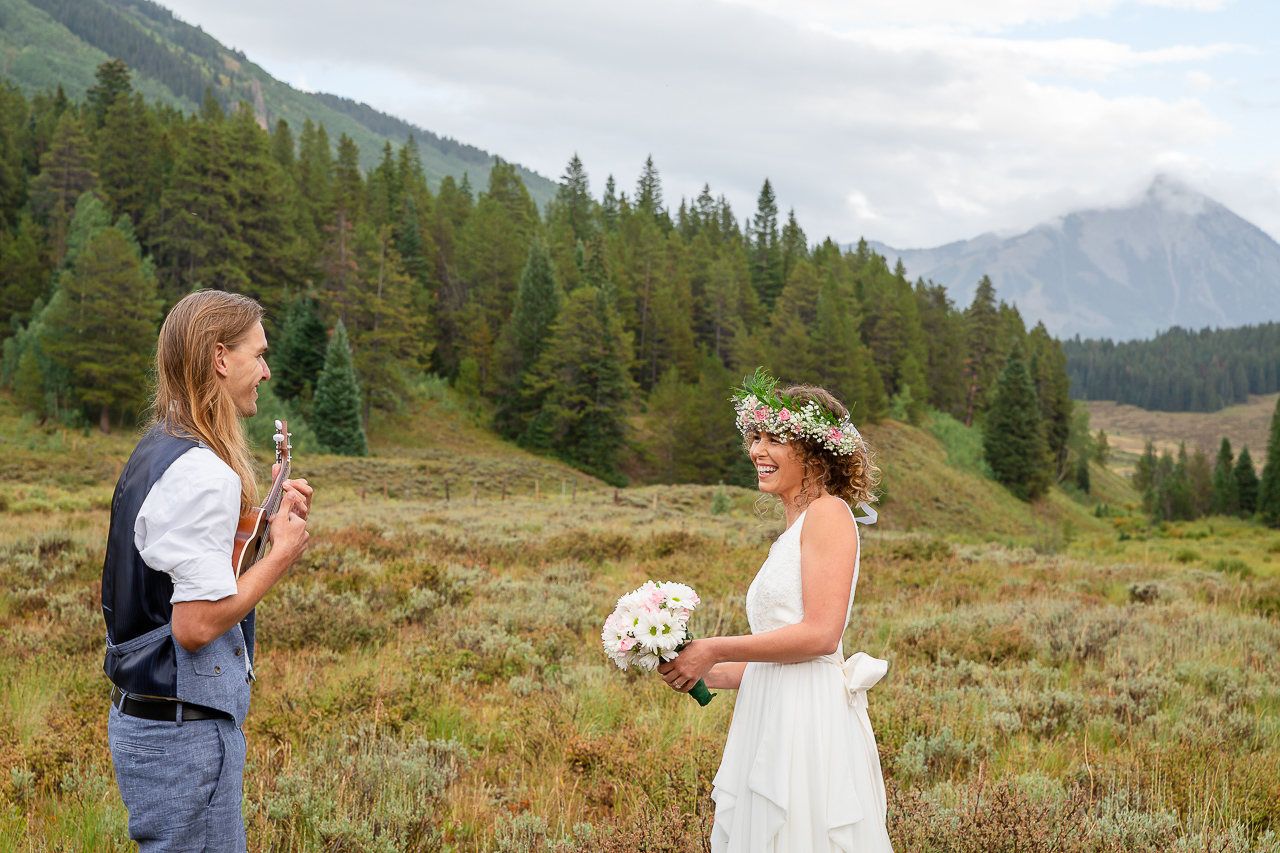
(800, 772)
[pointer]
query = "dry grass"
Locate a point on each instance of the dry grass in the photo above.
(1128, 428)
(430, 676)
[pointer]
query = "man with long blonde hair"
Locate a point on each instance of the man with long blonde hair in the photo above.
(180, 624)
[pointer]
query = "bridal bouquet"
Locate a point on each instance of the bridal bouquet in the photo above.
(651, 626)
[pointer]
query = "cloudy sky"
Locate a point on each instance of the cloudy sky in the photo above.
(915, 122)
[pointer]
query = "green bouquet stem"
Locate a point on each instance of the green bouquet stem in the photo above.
(701, 693)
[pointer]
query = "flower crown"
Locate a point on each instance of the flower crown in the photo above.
(760, 408)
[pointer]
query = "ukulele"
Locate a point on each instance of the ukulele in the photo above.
(252, 531)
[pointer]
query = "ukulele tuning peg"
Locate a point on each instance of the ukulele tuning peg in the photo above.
(277, 438)
(279, 426)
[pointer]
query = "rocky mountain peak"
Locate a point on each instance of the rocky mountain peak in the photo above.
(1172, 256)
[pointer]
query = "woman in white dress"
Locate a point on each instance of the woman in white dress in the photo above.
(800, 772)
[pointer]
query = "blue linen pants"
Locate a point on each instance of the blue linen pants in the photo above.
(182, 784)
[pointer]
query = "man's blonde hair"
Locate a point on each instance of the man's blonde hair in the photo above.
(189, 398)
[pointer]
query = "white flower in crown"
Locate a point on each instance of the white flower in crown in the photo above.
(760, 409)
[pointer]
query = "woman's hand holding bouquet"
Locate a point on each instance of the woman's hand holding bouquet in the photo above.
(650, 626)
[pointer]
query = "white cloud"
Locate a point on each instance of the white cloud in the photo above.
(911, 134)
(967, 15)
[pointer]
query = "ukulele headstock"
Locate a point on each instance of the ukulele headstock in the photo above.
(283, 447)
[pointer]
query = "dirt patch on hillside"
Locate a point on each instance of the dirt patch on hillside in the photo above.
(1128, 427)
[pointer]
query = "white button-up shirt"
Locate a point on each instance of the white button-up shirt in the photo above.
(187, 526)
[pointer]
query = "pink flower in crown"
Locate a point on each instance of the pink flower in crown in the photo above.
(835, 435)
(761, 414)
(784, 415)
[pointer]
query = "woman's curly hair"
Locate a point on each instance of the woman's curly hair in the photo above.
(852, 478)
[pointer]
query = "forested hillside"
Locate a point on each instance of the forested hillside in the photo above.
(51, 43)
(607, 332)
(1178, 370)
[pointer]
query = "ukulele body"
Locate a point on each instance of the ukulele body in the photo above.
(250, 532)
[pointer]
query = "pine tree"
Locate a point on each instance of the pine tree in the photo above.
(794, 245)
(200, 240)
(336, 413)
(1269, 489)
(112, 86)
(1082, 475)
(573, 201)
(314, 174)
(1053, 387)
(584, 383)
(409, 243)
(1144, 470)
(525, 337)
(1246, 483)
(18, 145)
(1200, 478)
(1013, 441)
(767, 267)
(66, 173)
(131, 169)
(300, 355)
(1102, 448)
(495, 244)
(1174, 500)
(609, 205)
(388, 312)
(103, 322)
(536, 306)
(260, 191)
(942, 329)
(23, 271)
(982, 345)
(282, 147)
(1226, 496)
(649, 190)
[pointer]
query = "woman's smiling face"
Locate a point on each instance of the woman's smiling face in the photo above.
(778, 470)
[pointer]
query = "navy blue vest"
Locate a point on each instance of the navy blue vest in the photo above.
(142, 656)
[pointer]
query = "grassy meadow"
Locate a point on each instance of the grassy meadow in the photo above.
(1063, 677)
(1129, 427)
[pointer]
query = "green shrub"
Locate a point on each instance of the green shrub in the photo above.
(963, 444)
(296, 616)
(1232, 567)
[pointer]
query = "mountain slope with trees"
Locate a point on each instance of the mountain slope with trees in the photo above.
(61, 42)
(1178, 370)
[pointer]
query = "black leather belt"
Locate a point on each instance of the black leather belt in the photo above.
(163, 710)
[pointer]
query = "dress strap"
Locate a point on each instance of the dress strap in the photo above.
(871, 514)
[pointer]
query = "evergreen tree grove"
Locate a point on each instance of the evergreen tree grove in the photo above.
(583, 381)
(105, 314)
(574, 324)
(300, 355)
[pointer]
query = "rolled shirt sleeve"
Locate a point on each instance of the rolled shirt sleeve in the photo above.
(187, 526)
